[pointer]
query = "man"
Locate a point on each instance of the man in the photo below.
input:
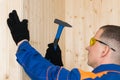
(103, 55)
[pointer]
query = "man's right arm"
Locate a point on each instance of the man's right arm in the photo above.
(38, 68)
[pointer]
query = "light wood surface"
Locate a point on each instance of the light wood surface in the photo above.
(85, 16)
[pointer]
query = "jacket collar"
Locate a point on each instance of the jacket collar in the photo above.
(107, 67)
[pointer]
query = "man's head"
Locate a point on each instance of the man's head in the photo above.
(104, 46)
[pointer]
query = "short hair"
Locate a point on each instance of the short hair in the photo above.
(112, 32)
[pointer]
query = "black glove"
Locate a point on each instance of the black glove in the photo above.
(54, 56)
(19, 29)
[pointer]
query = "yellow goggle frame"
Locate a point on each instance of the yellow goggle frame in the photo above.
(93, 41)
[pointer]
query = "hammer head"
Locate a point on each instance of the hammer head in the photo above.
(62, 23)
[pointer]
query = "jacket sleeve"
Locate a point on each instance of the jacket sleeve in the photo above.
(38, 68)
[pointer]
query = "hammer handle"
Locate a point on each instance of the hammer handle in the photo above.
(55, 43)
(57, 37)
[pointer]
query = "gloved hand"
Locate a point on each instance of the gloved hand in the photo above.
(54, 56)
(19, 29)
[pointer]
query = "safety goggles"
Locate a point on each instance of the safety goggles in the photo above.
(93, 41)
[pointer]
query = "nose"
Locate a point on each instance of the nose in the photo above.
(87, 48)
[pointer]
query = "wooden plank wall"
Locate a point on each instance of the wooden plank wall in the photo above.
(86, 16)
(41, 15)
(9, 68)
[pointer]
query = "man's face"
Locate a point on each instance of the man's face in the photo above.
(94, 51)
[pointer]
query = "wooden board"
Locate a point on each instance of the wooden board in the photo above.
(86, 16)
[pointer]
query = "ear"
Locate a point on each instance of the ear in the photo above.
(105, 51)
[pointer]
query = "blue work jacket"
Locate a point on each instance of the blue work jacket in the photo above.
(38, 68)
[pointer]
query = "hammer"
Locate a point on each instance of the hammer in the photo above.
(61, 24)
